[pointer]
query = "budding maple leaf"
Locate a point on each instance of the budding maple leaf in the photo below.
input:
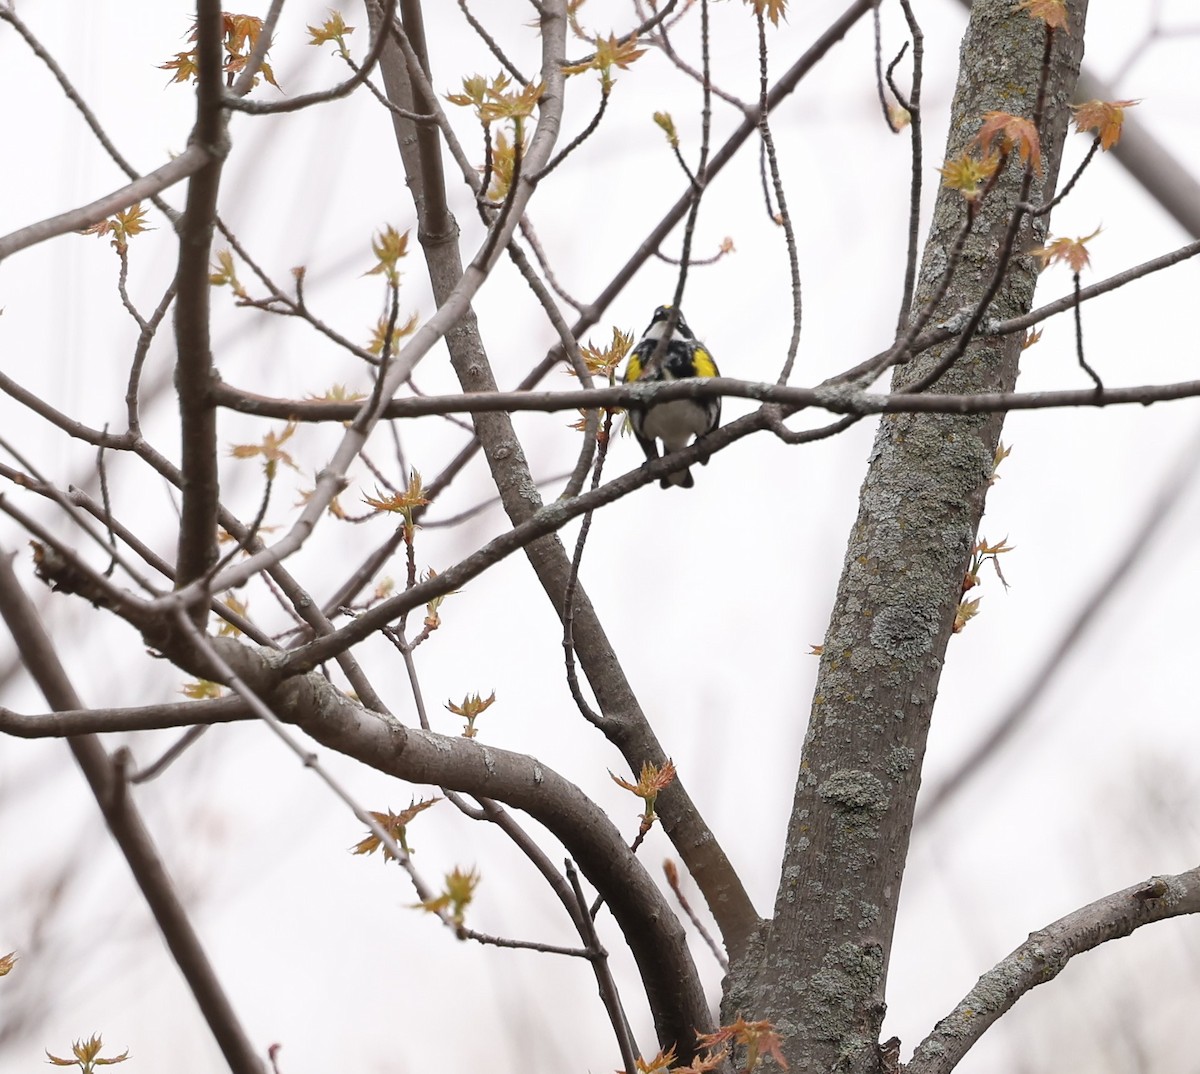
(967, 173)
(396, 825)
(967, 610)
(773, 9)
(86, 1055)
(1052, 12)
(471, 708)
(664, 120)
(504, 165)
(433, 619)
(456, 896)
(1072, 251)
(201, 690)
(1104, 118)
(609, 53)
(517, 106)
(663, 1063)
(338, 393)
(402, 503)
(758, 1038)
(224, 272)
(1012, 132)
(604, 361)
(380, 337)
(332, 29)
(388, 246)
(270, 449)
(228, 630)
(652, 780)
(184, 65)
(477, 89)
(122, 226)
(7, 962)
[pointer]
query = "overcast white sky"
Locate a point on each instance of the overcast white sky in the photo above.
(713, 596)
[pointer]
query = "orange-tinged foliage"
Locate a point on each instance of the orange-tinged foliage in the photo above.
(7, 962)
(660, 1064)
(123, 226)
(470, 709)
(396, 826)
(1072, 251)
(652, 780)
(772, 9)
(401, 502)
(610, 53)
(984, 553)
(1011, 132)
(604, 361)
(433, 619)
(758, 1038)
(240, 34)
(184, 65)
(1104, 118)
(1052, 12)
(86, 1055)
(493, 100)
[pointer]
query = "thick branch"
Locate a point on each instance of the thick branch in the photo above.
(885, 648)
(625, 724)
(197, 546)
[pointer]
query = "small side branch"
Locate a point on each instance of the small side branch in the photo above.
(1044, 955)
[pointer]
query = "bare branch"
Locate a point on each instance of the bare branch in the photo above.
(1044, 955)
(197, 542)
(188, 163)
(836, 399)
(107, 783)
(70, 722)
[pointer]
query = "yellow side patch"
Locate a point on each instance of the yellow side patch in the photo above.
(633, 370)
(705, 366)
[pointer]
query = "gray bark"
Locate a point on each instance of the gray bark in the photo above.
(820, 968)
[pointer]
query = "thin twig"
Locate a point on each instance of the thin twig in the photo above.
(672, 875)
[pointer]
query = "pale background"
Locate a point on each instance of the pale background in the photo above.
(713, 597)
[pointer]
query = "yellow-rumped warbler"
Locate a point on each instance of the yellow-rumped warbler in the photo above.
(676, 422)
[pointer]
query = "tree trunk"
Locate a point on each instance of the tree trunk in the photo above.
(819, 970)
